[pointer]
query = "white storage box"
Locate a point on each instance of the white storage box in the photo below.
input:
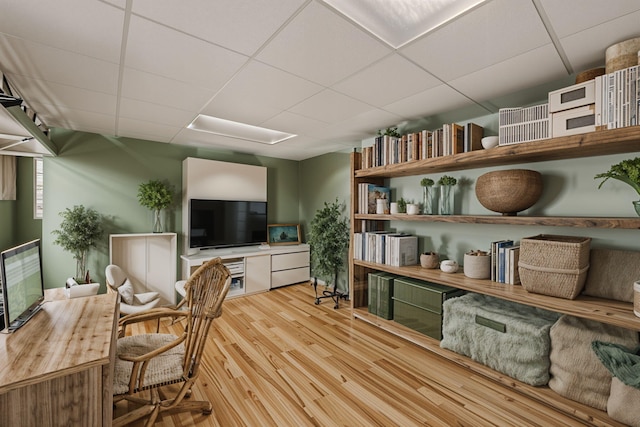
(573, 96)
(574, 121)
(523, 124)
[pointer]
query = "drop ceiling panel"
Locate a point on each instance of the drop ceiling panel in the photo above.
(436, 100)
(57, 65)
(51, 95)
(321, 46)
(81, 120)
(586, 49)
(156, 49)
(492, 33)
(152, 131)
(154, 113)
(265, 89)
(512, 75)
(290, 122)
(90, 28)
(393, 78)
(572, 16)
(163, 91)
(240, 25)
(330, 107)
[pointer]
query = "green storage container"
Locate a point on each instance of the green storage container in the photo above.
(418, 304)
(381, 286)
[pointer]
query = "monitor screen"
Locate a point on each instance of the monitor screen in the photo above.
(225, 223)
(22, 284)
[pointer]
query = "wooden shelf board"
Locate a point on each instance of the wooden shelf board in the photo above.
(543, 394)
(606, 311)
(604, 142)
(556, 221)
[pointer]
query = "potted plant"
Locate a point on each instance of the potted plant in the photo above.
(427, 197)
(328, 241)
(80, 230)
(402, 205)
(627, 171)
(446, 184)
(155, 195)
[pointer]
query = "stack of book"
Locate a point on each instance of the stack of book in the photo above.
(448, 140)
(386, 247)
(504, 262)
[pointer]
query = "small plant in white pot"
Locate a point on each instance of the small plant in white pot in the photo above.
(155, 195)
(80, 231)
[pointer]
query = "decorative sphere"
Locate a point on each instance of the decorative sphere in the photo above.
(509, 191)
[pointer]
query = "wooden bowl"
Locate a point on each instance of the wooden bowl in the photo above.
(509, 191)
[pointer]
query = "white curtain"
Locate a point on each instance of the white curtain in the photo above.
(7, 178)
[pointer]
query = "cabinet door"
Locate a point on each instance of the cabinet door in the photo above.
(257, 273)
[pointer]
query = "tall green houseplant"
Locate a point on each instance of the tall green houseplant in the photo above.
(155, 195)
(80, 231)
(329, 241)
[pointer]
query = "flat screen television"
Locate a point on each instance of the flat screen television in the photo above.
(22, 284)
(226, 223)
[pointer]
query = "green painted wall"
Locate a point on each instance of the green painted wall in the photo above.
(8, 213)
(27, 227)
(323, 179)
(103, 173)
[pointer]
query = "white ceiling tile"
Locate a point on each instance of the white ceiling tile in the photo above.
(156, 49)
(321, 46)
(368, 123)
(91, 28)
(387, 81)
(512, 75)
(572, 16)
(290, 122)
(330, 107)
(57, 65)
(266, 89)
(492, 33)
(587, 48)
(163, 91)
(154, 131)
(239, 25)
(81, 120)
(436, 100)
(154, 113)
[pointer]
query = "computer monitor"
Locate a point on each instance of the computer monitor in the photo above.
(22, 284)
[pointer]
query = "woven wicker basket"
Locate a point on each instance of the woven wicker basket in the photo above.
(554, 265)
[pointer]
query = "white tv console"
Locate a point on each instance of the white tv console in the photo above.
(254, 269)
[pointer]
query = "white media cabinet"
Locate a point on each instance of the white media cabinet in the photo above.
(254, 269)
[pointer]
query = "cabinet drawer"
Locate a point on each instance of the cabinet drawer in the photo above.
(423, 294)
(287, 277)
(288, 261)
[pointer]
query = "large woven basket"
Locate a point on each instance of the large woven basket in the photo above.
(554, 265)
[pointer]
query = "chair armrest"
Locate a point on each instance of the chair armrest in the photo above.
(152, 314)
(147, 356)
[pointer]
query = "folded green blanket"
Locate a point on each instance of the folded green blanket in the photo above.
(622, 362)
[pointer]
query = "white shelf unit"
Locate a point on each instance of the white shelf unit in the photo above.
(264, 269)
(149, 260)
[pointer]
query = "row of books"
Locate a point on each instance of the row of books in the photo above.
(505, 255)
(386, 247)
(368, 194)
(448, 140)
(618, 98)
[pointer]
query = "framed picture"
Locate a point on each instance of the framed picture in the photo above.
(283, 234)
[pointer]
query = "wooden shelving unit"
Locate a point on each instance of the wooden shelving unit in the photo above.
(625, 140)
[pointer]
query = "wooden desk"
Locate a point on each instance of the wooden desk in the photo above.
(58, 368)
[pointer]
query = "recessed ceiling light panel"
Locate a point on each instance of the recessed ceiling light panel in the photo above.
(238, 130)
(398, 22)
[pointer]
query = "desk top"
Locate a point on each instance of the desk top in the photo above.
(66, 336)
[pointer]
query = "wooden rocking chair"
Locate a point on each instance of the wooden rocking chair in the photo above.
(147, 362)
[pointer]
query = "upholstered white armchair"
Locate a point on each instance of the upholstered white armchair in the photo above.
(132, 300)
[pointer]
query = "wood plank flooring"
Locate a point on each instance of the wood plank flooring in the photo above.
(276, 359)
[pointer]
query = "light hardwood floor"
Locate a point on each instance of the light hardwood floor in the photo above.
(276, 359)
